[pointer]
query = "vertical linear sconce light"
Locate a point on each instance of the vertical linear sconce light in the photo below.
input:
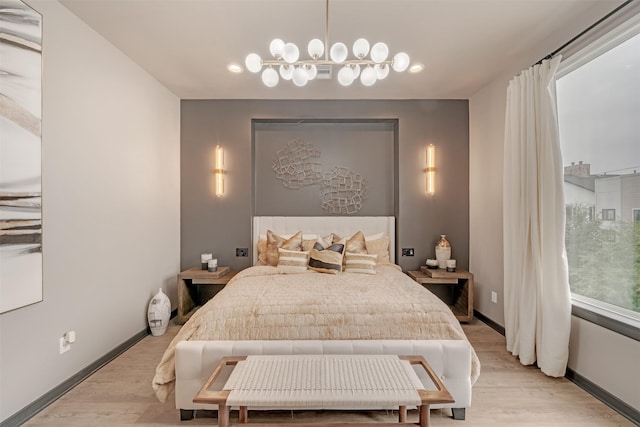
(431, 170)
(219, 170)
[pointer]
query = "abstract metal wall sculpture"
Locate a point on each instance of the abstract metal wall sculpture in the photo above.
(342, 190)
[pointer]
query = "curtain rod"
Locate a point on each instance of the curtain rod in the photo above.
(598, 22)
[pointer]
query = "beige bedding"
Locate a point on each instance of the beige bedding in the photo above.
(261, 304)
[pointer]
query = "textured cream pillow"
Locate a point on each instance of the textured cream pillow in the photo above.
(360, 263)
(326, 259)
(275, 241)
(379, 247)
(292, 261)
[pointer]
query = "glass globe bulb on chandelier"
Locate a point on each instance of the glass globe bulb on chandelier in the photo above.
(286, 62)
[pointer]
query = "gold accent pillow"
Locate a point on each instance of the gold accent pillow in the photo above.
(275, 241)
(360, 263)
(356, 244)
(307, 244)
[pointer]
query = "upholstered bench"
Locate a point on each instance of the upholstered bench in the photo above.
(352, 381)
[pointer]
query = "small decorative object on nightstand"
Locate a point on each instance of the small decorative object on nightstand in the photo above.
(204, 260)
(188, 282)
(432, 263)
(451, 265)
(443, 250)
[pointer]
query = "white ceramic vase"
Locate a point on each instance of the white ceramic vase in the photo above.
(159, 313)
(443, 251)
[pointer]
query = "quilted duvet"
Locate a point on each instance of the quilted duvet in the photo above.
(259, 303)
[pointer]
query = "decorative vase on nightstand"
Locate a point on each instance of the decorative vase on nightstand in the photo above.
(159, 313)
(443, 251)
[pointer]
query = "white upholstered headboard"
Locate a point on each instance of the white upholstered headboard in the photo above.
(323, 225)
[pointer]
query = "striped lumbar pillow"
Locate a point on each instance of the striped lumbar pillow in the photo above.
(292, 261)
(326, 259)
(360, 263)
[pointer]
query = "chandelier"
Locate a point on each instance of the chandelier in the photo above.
(370, 63)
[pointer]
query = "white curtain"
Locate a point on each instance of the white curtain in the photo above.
(537, 300)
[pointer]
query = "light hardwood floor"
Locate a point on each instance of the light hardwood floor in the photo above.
(506, 394)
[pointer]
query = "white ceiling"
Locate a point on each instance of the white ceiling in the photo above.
(463, 44)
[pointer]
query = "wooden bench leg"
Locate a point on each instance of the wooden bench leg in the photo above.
(424, 415)
(244, 414)
(402, 414)
(223, 415)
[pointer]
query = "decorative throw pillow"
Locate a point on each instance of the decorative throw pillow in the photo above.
(355, 244)
(308, 241)
(262, 251)
(292, 261)
(380, 247)
(326, 259)
(275, 241)
(360, 263)
(307, 244)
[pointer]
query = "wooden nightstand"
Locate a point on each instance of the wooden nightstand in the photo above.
(188, 281)
(462, 280)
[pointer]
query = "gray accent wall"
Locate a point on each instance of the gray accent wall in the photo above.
(358, 149)
(221, 224)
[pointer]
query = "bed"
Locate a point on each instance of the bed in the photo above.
(269, 309)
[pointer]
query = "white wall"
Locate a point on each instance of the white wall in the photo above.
(607, 359)
(111, 217)
(486, 138)
(486, 134)
(609, 196)
(575, 194)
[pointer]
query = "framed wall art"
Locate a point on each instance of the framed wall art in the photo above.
(20, 155)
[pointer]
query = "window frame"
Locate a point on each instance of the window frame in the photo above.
(608, 214)
(606, 315)
(616, 319)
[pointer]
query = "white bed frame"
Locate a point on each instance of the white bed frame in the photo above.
(450, 359)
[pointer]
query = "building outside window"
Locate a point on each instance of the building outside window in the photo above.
(608, 214)
(598, 108)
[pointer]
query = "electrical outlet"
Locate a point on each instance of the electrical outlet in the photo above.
(67, 339)
(244, 252)
(64, 345)
(407, 251)
(494, 297)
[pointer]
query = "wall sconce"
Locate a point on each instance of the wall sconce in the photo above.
(219, 170)
(431, 170)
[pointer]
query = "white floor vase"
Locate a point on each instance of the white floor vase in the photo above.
(159, 313)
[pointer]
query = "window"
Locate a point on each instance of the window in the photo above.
(598, 93)
(608, 214)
